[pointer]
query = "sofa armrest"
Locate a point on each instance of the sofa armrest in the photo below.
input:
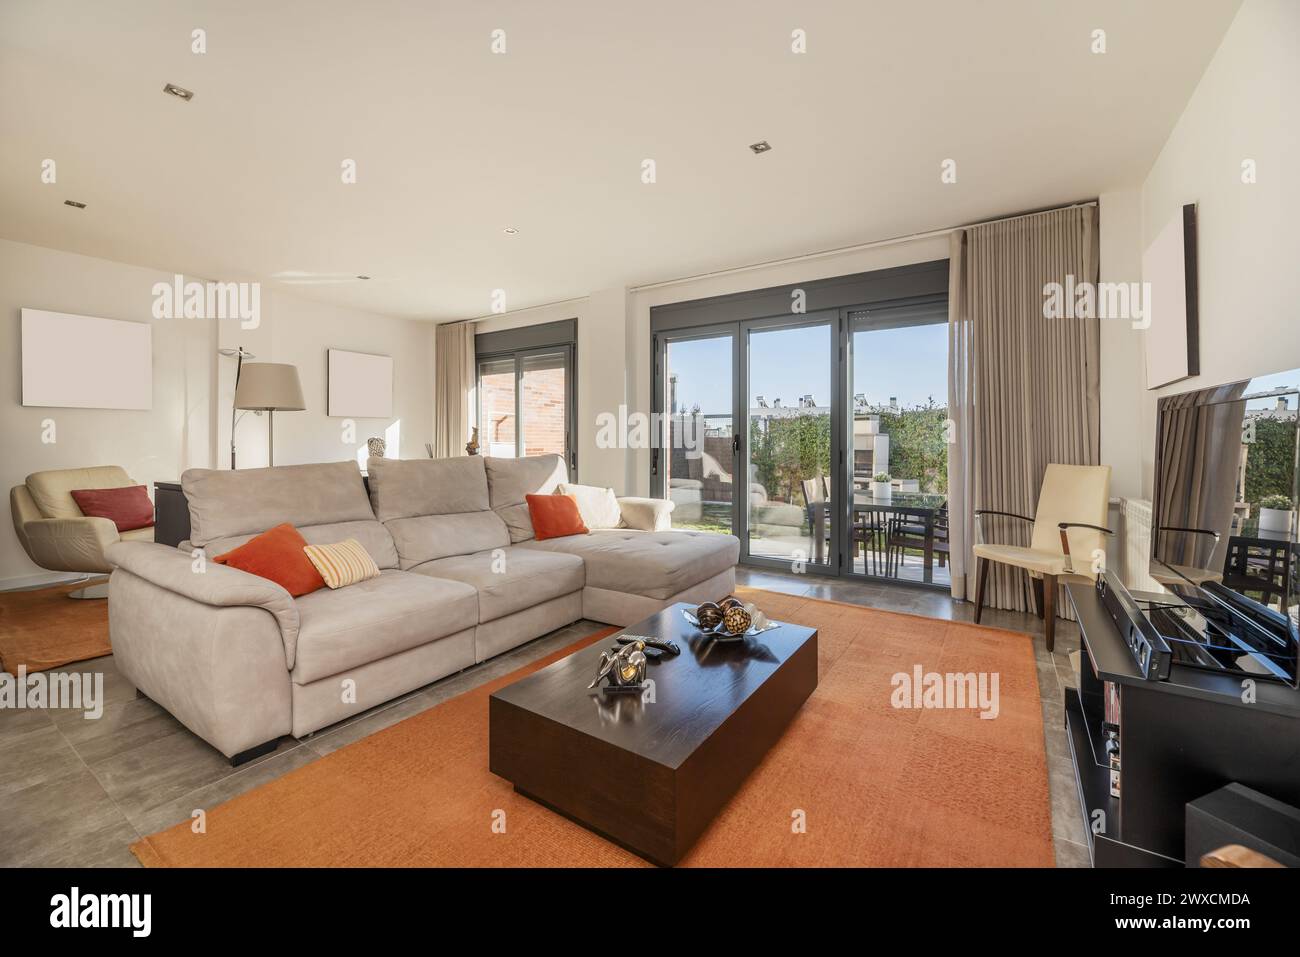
(70, 544)
(646, 514)
(216, 585)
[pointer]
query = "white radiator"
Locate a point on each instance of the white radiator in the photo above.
(1135, 545)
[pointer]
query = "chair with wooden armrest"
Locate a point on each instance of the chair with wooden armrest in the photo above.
(1069, 521)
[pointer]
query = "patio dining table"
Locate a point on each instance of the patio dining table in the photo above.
(923, 505)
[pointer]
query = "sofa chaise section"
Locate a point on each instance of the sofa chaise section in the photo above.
(631, 574)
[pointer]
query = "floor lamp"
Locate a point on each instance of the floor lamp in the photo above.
(239, 354)
(269, 387)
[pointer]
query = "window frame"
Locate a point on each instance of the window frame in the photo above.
(517, 345)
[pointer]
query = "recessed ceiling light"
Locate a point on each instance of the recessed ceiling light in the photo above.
(762, 146)
(178, 91)
(510, 231)
(73, 203)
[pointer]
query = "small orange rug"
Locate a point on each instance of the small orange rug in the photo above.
(44, 628)
(873, 784)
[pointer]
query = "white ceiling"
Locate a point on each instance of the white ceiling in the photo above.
(453, 143)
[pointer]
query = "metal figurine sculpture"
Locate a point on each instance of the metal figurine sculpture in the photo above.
(471, 447)
(624, 667)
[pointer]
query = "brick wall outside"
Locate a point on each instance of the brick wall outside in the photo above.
(497, 413)
(544, 396)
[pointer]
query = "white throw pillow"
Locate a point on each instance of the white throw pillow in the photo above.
(597, 506)
(647, 514)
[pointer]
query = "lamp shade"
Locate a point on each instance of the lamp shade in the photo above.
(269, 386)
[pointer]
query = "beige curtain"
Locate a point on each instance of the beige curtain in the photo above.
(454, 386)
(1023, 390)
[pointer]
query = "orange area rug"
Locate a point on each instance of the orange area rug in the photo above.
(875, 785)
(44, 628)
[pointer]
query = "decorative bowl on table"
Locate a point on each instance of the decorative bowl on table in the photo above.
(728, 620)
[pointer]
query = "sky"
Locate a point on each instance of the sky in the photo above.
(909, 363)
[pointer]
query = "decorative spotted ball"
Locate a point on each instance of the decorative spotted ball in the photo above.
(709, 616)
(730, 601)
(736, 620)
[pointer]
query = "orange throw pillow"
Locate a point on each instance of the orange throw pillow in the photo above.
(555, 516)
(277, 554)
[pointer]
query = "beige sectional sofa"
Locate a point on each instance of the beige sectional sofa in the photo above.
(241, 663)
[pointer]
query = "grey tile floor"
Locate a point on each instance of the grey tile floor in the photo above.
(75, 792)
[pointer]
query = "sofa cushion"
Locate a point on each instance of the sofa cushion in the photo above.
(51, 490)
(598, 504)
(376, 618)
(654, 564)
(227, 503)
(342, 563)
(402, 488)
(646, 514)
(129, 507)
(511, 579)
(276, 555)
(510, 480)
(554, 516)
(428, 537)
(372, 535)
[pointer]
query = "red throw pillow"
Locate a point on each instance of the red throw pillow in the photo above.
(129, 506)
(554, 516)
(277, 554)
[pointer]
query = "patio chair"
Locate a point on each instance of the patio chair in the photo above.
(817, 495)
(908, 531)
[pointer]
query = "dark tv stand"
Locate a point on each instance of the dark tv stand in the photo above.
(1179, 740)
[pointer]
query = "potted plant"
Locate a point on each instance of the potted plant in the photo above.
(1275, 514)
(880, 485)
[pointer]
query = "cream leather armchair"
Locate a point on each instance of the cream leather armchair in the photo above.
(1066, 543)
(52, 529)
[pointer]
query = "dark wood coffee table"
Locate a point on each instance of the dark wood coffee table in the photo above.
(651, 772)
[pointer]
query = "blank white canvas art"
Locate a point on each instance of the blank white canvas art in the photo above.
(82, 362)
(1164, 267)
(360, 385)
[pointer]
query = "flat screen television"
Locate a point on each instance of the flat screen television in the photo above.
(1224, 526)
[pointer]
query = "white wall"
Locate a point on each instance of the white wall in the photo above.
(301, 334)
(189, 424)
(1248, 235)
(175, 434)
(1122, 374)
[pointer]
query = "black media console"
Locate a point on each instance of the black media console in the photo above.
(1179, 739)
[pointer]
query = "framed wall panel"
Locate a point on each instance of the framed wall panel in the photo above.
(360, 385)
(82, 362)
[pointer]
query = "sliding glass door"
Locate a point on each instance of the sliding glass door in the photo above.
(819, 439)
(746, 436)
(898, 442)
(696, 458)
(788, 435)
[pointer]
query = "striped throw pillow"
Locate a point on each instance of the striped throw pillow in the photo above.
(343, 563)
